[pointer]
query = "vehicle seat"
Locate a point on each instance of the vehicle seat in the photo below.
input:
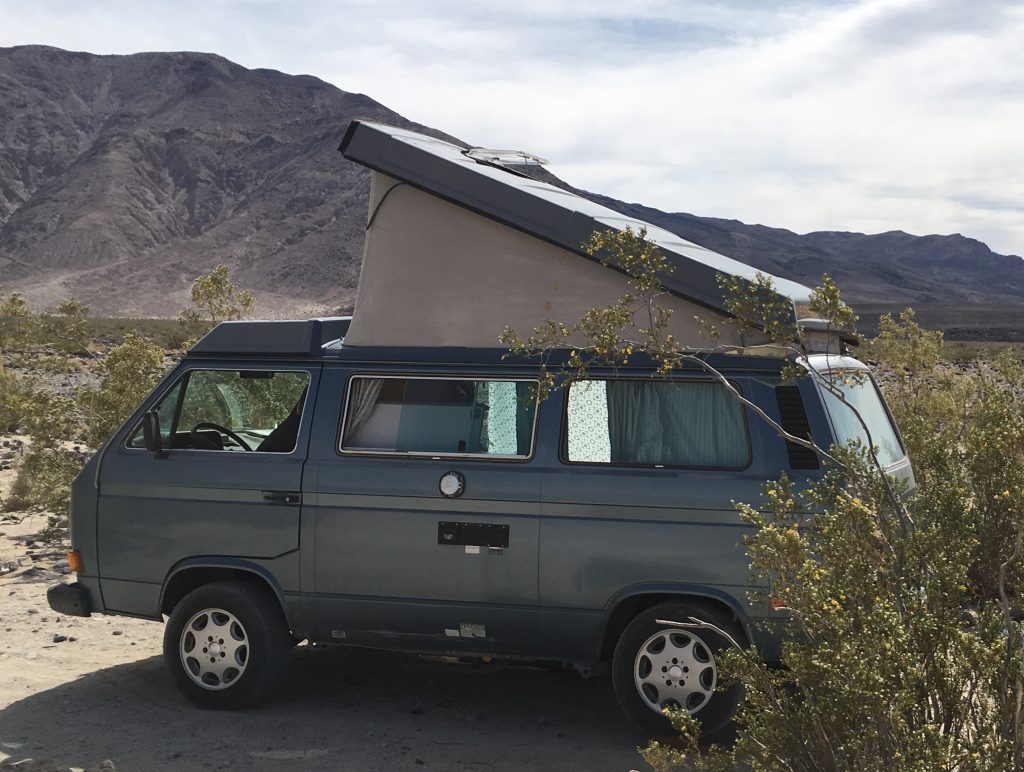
(282, 439)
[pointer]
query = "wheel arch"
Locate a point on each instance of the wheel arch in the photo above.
(631, 601)
(192, 573)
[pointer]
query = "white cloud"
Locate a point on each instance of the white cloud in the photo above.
(873, 115)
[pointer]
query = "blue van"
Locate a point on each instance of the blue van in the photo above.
(280, 485)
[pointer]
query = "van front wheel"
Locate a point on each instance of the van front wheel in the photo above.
(656, 666)
(227, 645)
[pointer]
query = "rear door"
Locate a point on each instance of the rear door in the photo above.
(229, 486)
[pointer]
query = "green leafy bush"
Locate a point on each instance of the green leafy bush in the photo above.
(884, 669)
(127, 374)
(964, 431)
(214, 299)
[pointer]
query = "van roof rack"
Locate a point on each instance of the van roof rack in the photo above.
(291, 337)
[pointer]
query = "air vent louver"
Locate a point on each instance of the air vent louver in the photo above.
(794, 421)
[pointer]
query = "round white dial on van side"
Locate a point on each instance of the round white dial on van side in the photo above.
(452, 484)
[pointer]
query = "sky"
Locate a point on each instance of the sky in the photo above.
(862, 115)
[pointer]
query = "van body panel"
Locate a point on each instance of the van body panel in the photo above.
(138, 599)
(376, 521)
(82, 528)
(427, 626)
(154, 513)
(278, 573)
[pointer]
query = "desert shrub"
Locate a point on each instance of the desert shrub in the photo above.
(15, 392)
(883, 670)
(44, 480)
(964, 431)
(127, 374)
(214, 299)
(903, 650)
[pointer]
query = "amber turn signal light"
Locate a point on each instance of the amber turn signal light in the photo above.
(75, 560)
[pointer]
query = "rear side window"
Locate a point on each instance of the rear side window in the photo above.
(440, 416)
(656, 423)
(231, 410)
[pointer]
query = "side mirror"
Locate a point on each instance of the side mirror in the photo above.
(151, 434)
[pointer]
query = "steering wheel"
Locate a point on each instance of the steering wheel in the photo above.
(199, 440)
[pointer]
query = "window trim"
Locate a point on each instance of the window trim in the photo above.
(563, 444)
(183, 378)
(340, 450)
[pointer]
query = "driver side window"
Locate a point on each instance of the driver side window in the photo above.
(232, 410)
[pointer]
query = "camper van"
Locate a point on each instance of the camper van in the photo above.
(390, 481)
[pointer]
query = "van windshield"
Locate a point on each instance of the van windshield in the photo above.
(860, 393)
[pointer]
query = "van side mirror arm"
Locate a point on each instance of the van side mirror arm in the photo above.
(151, 434)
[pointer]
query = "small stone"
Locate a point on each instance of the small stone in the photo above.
(117, 632)
(72, 639)
(58, 638)
(33, 611)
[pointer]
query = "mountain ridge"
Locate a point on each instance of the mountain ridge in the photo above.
(123, 177)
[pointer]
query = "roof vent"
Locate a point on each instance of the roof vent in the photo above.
(504, 157)
(794, 421)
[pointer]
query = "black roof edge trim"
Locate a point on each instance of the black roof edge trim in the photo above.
(273, 338)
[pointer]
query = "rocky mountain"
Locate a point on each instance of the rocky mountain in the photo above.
(123, 177)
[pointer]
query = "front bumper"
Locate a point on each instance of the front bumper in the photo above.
(70, 599)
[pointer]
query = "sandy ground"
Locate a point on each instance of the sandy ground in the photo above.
(104, 694)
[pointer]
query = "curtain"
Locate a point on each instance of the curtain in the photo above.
(634, 422)
(526, 406)
(676, 424)
(361, 403)
(703, 426)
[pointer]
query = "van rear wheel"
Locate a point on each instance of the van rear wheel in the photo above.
(657, 666)
(227, 645)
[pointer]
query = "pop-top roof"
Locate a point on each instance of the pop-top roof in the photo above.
(537, 208)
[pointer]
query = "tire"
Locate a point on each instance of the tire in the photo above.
(687, 661)
(247, 643)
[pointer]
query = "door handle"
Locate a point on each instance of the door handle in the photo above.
(282, 497)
